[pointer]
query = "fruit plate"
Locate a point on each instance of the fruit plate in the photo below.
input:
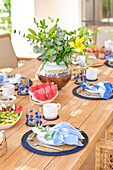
(36, 102)
(43, 93)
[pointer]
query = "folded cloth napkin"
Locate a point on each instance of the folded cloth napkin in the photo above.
(103, 88)
(110, 59)
(3, 77)
(65, 133)
(15, 79)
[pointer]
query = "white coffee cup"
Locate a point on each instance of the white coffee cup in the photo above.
(8, 89)
(91, 73)
(50, 110)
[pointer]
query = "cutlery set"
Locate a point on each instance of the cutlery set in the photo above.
(35, 144)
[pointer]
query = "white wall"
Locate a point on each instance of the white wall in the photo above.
(23, 12)
(68, 11)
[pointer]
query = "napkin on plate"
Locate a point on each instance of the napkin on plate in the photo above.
(103, 88)
(3, 77)
(110, 59)
(65, 133)
(15, 79)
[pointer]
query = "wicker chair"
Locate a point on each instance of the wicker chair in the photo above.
(104, 155)
(104, 151)
(8, 58)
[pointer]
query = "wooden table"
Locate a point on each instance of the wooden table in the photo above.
(90, 116)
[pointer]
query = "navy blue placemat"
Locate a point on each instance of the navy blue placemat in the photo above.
(37, 151)
(107, 64)
(74, 91)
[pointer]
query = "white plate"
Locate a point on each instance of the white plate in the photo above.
(41, 139)
(36, 102)
(13, 80)
(92, 91)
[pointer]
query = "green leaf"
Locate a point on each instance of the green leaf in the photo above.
(66, 64)
(54, 35)
(52, 30)
(86, 30)
(14, 31)
(47, 129)
(34, 20)
(36, 49)
(52, 134)
(86, 38)
(57, 19)
(92, 46)
(32, 31)
(47, 137)
(32, 37)
(95, 32)
(47, 95)
(81, 32)
(41, 22)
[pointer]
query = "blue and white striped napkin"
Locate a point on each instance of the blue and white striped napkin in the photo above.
(103, 88)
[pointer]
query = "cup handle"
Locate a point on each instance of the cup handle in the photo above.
(0, 90)
(58, 106)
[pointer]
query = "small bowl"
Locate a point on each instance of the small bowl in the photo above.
(8, 100)
(10, 125)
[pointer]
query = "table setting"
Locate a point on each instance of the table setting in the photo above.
(54, 140)
(93, 91)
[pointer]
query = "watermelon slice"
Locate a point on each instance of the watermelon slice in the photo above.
(45, 93)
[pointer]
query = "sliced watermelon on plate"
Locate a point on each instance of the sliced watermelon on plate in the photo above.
(46, 93)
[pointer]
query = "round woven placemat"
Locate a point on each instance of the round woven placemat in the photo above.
(68, 149)
(83, 94)
(107, 64)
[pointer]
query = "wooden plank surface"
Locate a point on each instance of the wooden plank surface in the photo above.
(90, 116)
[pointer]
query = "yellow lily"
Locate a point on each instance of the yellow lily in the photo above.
(78, 45)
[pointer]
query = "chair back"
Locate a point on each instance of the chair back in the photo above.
(8, 58)
(105, 33)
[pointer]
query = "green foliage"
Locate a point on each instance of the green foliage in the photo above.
(5, 21)
(53, 43)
